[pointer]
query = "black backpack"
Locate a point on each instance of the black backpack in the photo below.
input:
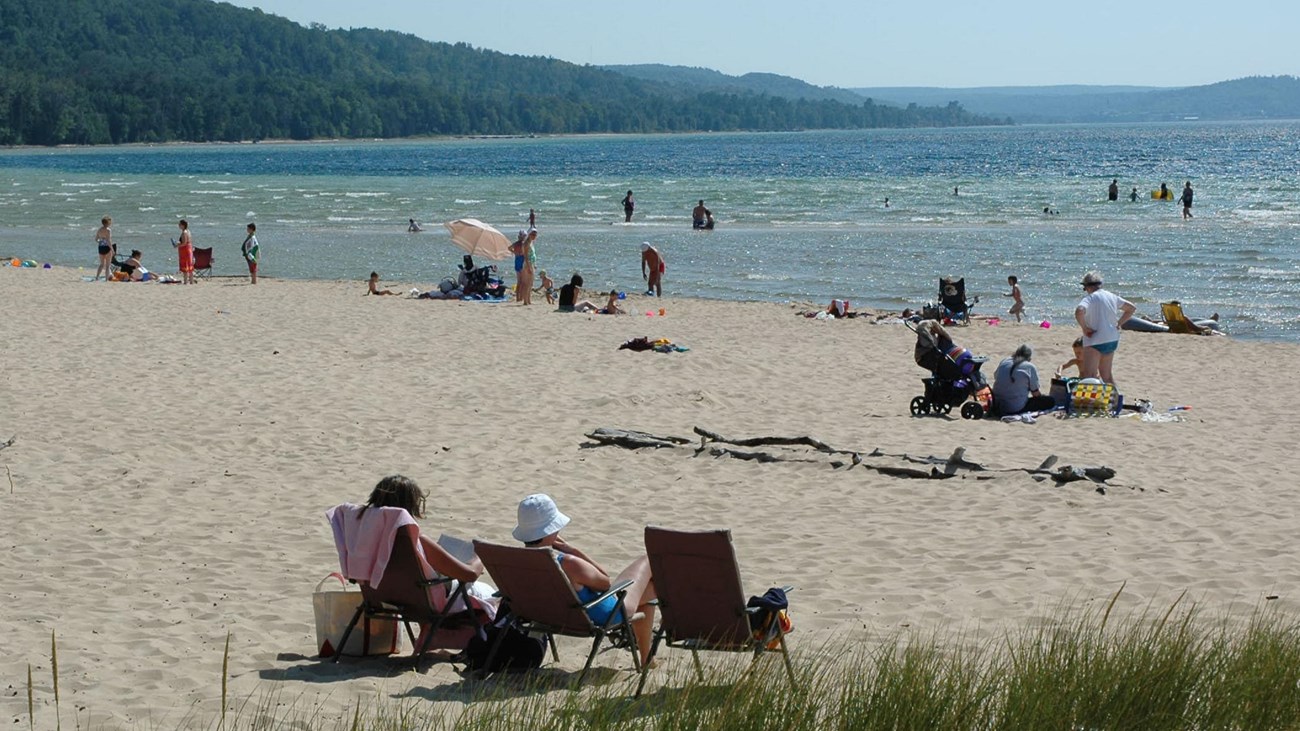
(518, 651)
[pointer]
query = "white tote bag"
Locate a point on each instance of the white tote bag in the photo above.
(334, 608)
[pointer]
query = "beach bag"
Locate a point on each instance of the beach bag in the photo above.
(334, 608)
(519, 650)
(771, 620)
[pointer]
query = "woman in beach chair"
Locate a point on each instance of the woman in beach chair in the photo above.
(539, 525)
(368, 538)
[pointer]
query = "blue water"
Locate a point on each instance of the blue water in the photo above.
(801, 215)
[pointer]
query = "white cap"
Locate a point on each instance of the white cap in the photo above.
(538, 518)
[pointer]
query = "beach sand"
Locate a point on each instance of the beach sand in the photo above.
(177, 448)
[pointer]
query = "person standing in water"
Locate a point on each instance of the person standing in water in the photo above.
(1133, 197)
(1187, 200)
(652, 269)
(701, 216)
(629, 206)
(1112, 193)
(104, 242)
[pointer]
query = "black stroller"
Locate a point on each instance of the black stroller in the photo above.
(955, 378)
(953, 305)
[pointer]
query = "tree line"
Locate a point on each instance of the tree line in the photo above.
(121, 71)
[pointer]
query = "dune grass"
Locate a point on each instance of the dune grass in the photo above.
(1086, 670)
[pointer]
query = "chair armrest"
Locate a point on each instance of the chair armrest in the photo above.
(435, 582)
(620, 589)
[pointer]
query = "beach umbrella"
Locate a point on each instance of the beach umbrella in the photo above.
(478, 238)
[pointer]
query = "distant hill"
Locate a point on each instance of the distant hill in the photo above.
(701, 79)
(1258, 97)
(114, 71)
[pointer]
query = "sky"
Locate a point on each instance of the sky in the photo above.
(858, 43)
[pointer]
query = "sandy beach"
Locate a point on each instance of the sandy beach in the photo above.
(176, 448)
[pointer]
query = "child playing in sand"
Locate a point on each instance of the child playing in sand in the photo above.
(1076, 361)
(611, 305)
(374, 286)
(1018, 304)
(547, 287)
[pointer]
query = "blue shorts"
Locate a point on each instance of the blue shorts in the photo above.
(1105, 348)
(599, 613)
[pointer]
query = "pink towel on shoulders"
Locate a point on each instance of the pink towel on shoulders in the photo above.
(365, 540)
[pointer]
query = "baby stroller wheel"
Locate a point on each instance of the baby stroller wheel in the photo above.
(942, 408)
(920, 407)
(972, 410)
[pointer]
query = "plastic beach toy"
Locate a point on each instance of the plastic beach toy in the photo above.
(622, 295)
(1045, 324)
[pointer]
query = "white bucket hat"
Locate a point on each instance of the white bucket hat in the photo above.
(538, 518)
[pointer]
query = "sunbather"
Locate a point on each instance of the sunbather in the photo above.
(540, 523)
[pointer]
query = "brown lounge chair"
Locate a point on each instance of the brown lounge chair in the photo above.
(407, 594)
(542, 600)
(701, 602)
(1177, 321)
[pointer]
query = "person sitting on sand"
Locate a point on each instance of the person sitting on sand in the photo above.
(358, 533)
(538, 526)
(569, 295)
(1076, 362)
(1015, 385)
(611, 305)
(131, 269)
(374, 286)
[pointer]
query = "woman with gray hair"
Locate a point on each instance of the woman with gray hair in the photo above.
(1015, 385)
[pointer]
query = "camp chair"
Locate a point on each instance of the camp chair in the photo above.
(701, 602)
(203, 263)
(407, 594)
(542, 600)
(952, 297)
(1177, 321)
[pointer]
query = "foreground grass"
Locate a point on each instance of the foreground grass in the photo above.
(1088, 670)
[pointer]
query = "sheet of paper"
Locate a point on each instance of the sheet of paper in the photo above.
(460, 548)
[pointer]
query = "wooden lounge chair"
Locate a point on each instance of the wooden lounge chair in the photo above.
(701, 602)
(408, 593)
(1177, 321)
(203, 262)
(542, 600)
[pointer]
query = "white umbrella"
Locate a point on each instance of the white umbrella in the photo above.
(478, 238)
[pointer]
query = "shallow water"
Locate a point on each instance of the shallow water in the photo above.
(800, 215)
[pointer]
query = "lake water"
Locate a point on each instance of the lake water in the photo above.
(801, 216)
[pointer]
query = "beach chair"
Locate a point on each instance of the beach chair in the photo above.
(406, 593)
(543, 601)
(1177, 321)
(952, 298)
(203, 263)
(701, 601)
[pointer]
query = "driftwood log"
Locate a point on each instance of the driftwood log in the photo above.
(895, 465)
(9, 443)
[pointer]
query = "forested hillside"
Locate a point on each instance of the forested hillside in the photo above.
(115, 71)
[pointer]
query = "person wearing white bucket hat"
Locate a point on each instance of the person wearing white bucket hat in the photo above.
(538, 525)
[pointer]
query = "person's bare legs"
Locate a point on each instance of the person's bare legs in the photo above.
(105, 265)
(1091, 362)
(1103, 367)
(637, 599)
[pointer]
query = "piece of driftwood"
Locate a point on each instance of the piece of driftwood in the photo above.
(9, 443)
(895, 465)
(634, 439)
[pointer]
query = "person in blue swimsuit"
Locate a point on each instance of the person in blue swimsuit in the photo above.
(539, 525)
